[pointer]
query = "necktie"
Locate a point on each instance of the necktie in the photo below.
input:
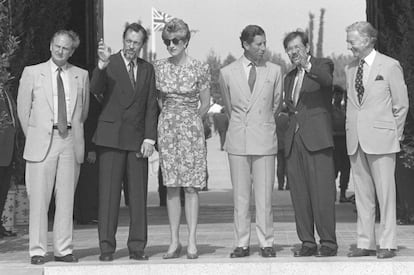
(252, 76)
(359, 87)
(298, 86)
(131, 73)
(62, 122)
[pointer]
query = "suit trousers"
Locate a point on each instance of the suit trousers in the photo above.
(374, 174)
(260, 169)
(312, 188)
(59, 171)
(113, 165)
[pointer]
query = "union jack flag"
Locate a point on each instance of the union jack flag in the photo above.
(159, 19)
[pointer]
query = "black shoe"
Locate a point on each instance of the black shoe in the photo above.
(267, 252)
(385, 253)
(343, 199)
(325, 251)
(106, 257)
(37, 260)
(239, 252)
(361, 252)
(305, 251)
(8, 233)
(67, 259)
(138, 255)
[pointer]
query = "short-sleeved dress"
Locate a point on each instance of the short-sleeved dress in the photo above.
(181, 142)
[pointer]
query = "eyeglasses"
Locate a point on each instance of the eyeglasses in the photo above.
(175, 41)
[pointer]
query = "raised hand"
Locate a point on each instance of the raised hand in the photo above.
(104, 52)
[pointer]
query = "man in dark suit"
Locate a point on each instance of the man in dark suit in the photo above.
(126, 132)
(309, 146)
(8, 126)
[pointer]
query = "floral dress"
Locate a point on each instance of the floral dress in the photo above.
(181, 142)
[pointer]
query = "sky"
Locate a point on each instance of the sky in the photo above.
(220, 22)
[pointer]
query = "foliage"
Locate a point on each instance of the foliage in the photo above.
(396, 39)
(215, 64)
(340, 61)
(35, 21)
(8, 45)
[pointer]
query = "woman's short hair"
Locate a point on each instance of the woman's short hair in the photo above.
(249, 32)
(178, 26)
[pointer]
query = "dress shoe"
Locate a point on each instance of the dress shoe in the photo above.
(267, 252)
(385, 253)
(138, 255)
(239, 252)
(106, 257)
(305, 251)
(174, 254)
(67, 259)
(37, 260)
(361, 252)
(8, 233)
(326, 251)
(192, 256)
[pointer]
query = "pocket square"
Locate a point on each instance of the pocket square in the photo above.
(379, 77)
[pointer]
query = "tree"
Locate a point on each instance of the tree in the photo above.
(340, 61)
(310, 31)
(229, 59)
(319, 49)
(215, 64)
(35, 22)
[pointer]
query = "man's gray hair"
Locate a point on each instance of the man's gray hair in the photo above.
(71, 34)
(365, 29)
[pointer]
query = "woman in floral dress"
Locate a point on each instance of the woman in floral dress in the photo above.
(184, 94)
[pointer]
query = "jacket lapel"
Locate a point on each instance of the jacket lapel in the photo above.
(290, 79)
(73, 84)
(262, 72)
(240, 77)
(375, 68)
(46, 74)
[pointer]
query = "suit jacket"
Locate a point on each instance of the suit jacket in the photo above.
(252, 127)
(91, 122)
(311, 117)
(377, 123)
(35, 109)
(128, 115)
(7, 128)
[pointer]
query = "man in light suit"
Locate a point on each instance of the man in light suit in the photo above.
(309, 147)
(52, 104)
(251, 90)
(377, 106)
(126, 134)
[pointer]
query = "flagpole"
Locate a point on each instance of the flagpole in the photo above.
(152, 34)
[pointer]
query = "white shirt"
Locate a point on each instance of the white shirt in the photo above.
(65, 78)
(369, 59)
(246, 66)
(127, 65)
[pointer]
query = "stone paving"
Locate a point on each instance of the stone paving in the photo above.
(215, 230)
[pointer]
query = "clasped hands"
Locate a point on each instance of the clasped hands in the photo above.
(146, 150)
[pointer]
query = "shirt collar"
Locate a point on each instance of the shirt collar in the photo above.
(126, 60)
(54, 67)
(369, 59)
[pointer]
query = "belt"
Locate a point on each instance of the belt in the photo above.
(55, 127)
